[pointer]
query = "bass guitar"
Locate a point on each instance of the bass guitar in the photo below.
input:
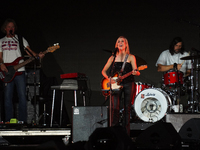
(15, 65)
(105, 83)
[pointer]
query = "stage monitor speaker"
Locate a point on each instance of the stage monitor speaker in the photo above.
(178, 120)
(190, 131)
(85, 119)
(111, 138)
(159, 136)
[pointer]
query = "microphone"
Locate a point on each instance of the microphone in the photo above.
(116, 50)
(11, 32)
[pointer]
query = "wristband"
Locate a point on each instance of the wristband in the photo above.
(1, 64)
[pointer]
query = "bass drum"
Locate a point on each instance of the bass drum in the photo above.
(152, 104)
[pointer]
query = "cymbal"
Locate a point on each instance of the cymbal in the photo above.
(190, 57)
(140, 62)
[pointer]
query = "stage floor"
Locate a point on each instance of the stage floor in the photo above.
(18, 135)
(13, 136)
(36, 132)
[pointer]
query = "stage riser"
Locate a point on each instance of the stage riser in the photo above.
(178, 120)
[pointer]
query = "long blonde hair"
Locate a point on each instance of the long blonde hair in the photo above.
(126, 41)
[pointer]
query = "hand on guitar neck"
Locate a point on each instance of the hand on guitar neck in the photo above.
(136, 72)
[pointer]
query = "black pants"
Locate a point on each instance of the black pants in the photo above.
(127, 90)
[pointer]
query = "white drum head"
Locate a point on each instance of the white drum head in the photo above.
(151, 104)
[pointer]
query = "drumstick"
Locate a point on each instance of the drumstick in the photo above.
(184, 60)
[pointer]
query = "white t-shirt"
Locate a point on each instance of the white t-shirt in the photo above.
(166, 58)
(11, 49)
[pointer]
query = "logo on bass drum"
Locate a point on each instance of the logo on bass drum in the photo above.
(148, 94)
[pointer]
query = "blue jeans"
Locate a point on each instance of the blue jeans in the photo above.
(128, 90)
(20, 82)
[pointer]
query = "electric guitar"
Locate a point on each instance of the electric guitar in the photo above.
(12, 67)
(105, 83)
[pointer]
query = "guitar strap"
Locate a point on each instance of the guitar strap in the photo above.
(21, 45)
(125, 59)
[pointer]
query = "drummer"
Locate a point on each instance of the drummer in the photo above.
(170, 59)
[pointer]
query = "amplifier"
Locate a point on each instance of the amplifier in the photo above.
(85, 119)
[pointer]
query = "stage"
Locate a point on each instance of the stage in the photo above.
(21, 136)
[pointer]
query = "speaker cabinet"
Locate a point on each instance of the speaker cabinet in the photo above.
(178, 120)
(190, 131)
(85, 119)
(159, 136)
(111, 138)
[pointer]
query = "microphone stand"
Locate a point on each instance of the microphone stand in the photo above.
(196, 89)
(110, 102)
(110, 90)
(192, 87)
(17, 40)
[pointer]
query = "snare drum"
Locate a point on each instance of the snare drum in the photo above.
(139, 86)
(152, 104)
(173, 77)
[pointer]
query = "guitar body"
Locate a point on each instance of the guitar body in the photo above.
(9, 76)
(105, 85)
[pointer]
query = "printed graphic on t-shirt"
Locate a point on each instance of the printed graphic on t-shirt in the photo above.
(9, 45)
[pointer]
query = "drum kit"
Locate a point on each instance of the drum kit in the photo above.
(151, 104)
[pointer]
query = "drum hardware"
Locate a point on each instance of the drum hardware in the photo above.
(173, 83)
(197, 67)
(190, 57)
(193, 103)
(175, 107)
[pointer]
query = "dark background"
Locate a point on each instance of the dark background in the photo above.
(84, 28)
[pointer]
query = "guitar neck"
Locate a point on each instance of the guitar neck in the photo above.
(27, 61)
(50, 49)
(126, 75)
(24, 63)
(45, 52)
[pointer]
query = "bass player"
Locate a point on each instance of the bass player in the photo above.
(9, 51)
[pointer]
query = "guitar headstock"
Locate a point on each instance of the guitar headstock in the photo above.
(53, 48)
(142, 67)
